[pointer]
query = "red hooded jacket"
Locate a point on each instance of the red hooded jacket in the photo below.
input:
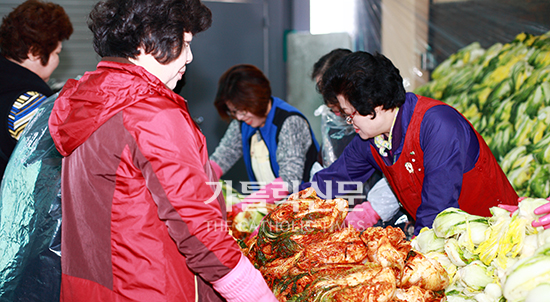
(140, 220)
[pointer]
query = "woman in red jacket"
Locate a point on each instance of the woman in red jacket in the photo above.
(140, 219)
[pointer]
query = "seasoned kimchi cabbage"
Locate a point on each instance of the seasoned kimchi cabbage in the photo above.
(306, 252)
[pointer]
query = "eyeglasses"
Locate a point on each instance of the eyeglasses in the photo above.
(349, 118)
(236, 113)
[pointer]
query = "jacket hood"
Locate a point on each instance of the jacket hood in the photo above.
(84, 105)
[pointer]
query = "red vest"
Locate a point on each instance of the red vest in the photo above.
(483, 187)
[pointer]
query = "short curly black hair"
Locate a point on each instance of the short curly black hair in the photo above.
(36, 27)
(328, 60)
(120, 27)
(366, 81)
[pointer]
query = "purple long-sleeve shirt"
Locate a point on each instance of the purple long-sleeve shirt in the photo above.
(450, 149)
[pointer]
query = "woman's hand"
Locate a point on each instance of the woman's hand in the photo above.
(543, 221)
(362, 216)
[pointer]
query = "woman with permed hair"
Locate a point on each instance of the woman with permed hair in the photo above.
(274, 139)
(141, 220)
(30, 42)
(381, 207)
(430, 154)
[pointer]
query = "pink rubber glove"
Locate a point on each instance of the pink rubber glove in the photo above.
(543, 221)
(508, 207)
(244, 283)
(216, 168)
(362, 216)
(511, 208)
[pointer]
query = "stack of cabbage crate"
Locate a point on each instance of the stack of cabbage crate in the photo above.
(504, 91)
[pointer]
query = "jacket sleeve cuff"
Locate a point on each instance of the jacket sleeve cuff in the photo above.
(217, 169)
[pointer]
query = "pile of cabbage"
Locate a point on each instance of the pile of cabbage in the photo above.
(498, 258)
(504, 91)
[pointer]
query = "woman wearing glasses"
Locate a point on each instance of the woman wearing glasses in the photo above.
(274, 138)
(430, 154)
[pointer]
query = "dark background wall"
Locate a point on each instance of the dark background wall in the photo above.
(247, 32)
(455, 25)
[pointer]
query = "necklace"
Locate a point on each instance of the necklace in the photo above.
(382, 143)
